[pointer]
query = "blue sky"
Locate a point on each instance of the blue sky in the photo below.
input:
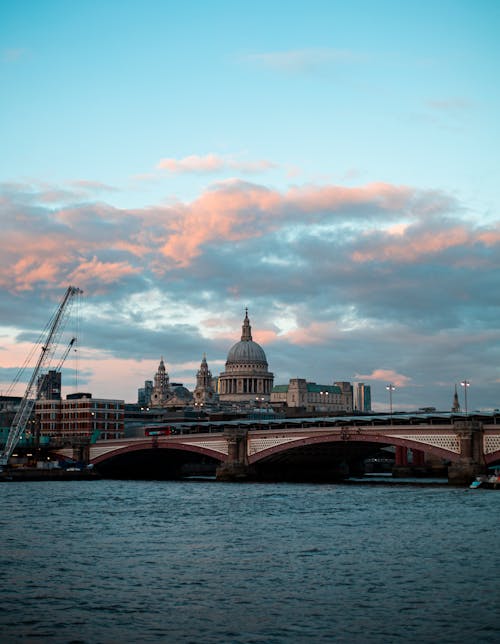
(333, 166)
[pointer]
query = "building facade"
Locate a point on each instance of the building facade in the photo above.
(363, 397)
(144, 394)
(48, 386)
(246, 376)
(313, 397)
(80, 415)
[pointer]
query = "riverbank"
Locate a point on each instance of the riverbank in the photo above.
(35, 474)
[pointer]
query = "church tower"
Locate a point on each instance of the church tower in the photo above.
(204, 392)
(161, 388)
(455, 409)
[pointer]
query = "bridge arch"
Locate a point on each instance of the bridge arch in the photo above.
(492, 458)
(154, 446)
(353, 437)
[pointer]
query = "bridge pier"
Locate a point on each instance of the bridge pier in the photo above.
(235, 468)
(81, 451)
(470, 434)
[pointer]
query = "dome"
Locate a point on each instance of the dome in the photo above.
(246, 351)
(246, 375)
(181, 392)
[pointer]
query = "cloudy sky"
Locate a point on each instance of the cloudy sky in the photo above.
(331, 165)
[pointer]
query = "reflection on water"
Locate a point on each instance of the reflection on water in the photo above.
(132, 561)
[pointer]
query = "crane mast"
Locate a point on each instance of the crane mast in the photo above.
(28, 401)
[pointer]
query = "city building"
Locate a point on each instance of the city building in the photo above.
(181, 396)
(80, 415)
(246, 376)
(144, 394)
(455, 408)
(313, 397)
(9, 406)
(362, 397)
(48, 386)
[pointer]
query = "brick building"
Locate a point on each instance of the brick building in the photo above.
(81, 415)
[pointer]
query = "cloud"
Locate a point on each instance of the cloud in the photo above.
(385, 375)
(301, 60)
(390, 281)
(14, 54)
(211, 163)
(101, 273)
(450, 104)
(92, 187)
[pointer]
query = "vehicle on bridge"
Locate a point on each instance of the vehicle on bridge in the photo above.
(158, 431)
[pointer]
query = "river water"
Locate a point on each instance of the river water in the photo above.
(201, 562)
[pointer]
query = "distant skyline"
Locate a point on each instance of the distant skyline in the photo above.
(333, 166)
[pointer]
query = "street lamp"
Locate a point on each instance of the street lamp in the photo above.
(390, 388)
(465, 384)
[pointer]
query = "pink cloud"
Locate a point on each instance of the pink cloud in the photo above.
(385, 375)
(99, 271)
(227, 214)
(314, 333)
(212, 163)
(235, 210)
(407, 244)
(29, 270)
(42, 244)
(193, 163)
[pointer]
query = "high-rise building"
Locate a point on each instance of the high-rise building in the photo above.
(363, 397)
(144, 393)
(48, 386)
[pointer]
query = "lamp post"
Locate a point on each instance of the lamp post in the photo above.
(465, 384)
(390, 388)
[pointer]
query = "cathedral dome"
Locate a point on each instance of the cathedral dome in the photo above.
(246, 378)
(246, 350)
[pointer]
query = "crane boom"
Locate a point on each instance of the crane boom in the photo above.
(28, 401)
(65, 354)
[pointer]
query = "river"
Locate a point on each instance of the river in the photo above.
(203, 562)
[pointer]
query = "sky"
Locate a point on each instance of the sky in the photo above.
(332, 166)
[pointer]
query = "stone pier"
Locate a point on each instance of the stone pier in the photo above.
(236, 466)
(471, 464)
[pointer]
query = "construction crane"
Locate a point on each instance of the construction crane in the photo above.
(65, 354)
(47, 351)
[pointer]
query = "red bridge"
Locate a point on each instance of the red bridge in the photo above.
(302, 449)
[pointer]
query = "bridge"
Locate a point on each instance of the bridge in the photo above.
(300, 449)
